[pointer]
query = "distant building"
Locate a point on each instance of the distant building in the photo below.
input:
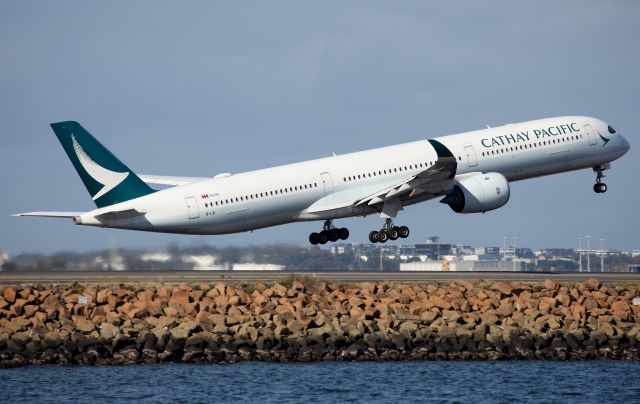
(458, 249)
(461, 265)
(494, 251)
(433, 250)
(252, 266)
(341, 249)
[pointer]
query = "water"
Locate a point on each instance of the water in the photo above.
(398, 382)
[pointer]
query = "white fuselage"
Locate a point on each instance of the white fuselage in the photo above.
(327, 188)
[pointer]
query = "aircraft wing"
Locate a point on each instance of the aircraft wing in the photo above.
(169, 180)
(432, 181)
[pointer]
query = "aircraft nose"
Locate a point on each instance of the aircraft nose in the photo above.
(625, 145)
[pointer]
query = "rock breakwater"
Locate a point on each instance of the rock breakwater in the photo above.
(311, 320)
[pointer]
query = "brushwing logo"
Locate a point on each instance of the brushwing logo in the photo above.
(109, 179)
(604, 139)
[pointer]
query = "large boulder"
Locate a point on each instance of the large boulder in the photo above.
(180, 296)
(183, 330)
(84, 325)
(108, 331)
(9, 294)
(504, 288)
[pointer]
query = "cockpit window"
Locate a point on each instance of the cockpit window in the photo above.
(611, 130)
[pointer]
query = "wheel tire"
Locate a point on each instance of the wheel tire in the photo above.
(404, 231)
(394, 233)
(323, 237)
(384, 236)
(333, 235)
(314, 238)
(343, 233)
(596, 188)
(374, 236)
(603, 188)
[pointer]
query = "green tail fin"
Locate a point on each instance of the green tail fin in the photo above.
(107, 179)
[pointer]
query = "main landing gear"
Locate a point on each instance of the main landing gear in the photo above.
(388, 232)
(600, 187)
(329, 233)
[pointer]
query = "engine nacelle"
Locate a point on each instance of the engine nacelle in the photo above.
(478, 193)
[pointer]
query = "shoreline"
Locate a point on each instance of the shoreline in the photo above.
(307, 319)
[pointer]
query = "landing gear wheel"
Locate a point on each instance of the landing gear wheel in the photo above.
(314, 238)
(323, 237)
(394, 233)
(383, 236)
(374, 236)
(329, 233)
(600, 188)
(404, 231)
(343, 233)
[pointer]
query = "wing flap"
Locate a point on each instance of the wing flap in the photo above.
(431, 180)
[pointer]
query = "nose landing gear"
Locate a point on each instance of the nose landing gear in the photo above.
(388, 232)
(600, 187)
(329, 233)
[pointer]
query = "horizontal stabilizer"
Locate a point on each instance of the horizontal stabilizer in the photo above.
(51, 214)
(167, 180)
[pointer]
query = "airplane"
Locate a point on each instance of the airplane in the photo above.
(470, 172)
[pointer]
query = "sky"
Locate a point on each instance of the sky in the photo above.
(198, 88)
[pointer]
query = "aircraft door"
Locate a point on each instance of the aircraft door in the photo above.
(192, 207)
(471, 156)
(327, 182)
(591, 135)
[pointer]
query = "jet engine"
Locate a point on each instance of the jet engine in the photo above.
(479, 192)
